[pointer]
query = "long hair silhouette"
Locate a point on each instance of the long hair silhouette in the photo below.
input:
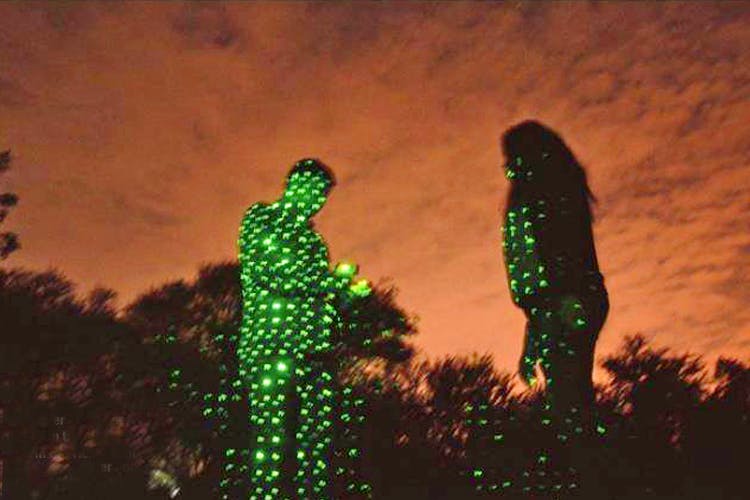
(558, 168)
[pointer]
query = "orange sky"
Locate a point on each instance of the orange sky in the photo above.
(142, 131)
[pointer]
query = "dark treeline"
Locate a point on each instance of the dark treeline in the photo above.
(100, 402)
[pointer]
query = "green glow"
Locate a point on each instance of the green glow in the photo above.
(346, 270)
(553, 280)
(361, 288)
(289, 326)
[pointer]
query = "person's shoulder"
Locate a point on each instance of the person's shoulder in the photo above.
(259, 210)
(256, 215)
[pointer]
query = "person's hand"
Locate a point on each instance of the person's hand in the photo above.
(346, 270)
(572, 313)
(527, 370)
(361, 288)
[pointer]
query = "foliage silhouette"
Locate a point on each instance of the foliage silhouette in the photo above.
(76, 365)
(8, 240)
(58, 385)
(191, 326)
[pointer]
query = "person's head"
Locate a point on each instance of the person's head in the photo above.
(308, 184)
(533, 151)
(536, 158)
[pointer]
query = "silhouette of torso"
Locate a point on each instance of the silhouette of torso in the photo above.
(549, 249)
(285, 275)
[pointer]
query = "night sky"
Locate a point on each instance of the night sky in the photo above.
(141, 132)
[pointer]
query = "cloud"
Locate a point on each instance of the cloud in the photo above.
(12, 94)
(156, 125)
(206, 26)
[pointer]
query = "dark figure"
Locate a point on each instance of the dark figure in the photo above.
(554, 277)
(299, 413)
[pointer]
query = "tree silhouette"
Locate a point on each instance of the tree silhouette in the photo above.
(91, 407)
(716, 437)
(190, 330)
(186, 331)
(656, 392)
(8, 240)
(57, 378)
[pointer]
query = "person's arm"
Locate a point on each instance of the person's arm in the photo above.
(340, 277)
(345, 288)
(252, 257)
(529, 358)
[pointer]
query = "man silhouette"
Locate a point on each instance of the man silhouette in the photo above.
(287, 339)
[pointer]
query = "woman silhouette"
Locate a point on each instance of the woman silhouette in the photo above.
(553, 273)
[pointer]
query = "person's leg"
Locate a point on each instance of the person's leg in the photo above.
(531, 347)
(270, 387)
(315, 435)
(573, 398)
(570, 364)
(588, 451)
(549, 476)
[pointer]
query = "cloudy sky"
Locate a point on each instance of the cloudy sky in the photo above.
(141, 132)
